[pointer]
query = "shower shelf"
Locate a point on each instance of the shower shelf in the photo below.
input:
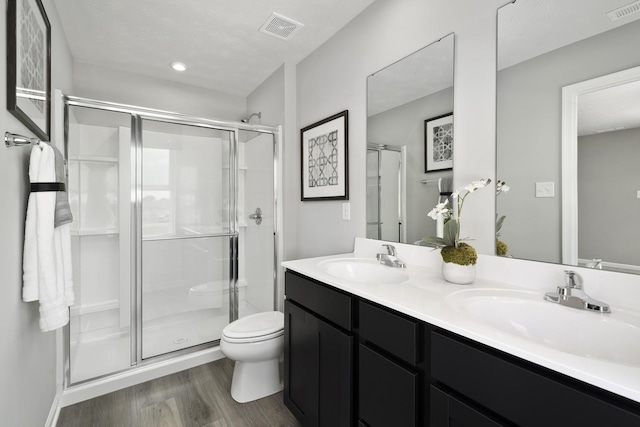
(95, 232)
(88, 158)
(240, 167)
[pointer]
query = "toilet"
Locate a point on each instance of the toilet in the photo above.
(256, 343)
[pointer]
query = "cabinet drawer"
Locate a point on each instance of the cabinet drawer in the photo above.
(448, 411)
(524, 396)
(389, 331)
(388, 392)
(329, 303)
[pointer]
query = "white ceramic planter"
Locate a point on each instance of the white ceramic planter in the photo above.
(458, 274)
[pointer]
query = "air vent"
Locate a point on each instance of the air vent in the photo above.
(627, 10)
(280, 27)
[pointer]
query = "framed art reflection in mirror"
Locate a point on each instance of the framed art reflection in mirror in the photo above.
(438, 143)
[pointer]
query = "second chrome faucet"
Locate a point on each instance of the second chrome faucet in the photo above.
(390, 259)
(572, 295)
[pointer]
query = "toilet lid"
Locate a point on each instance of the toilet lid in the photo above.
(256, 325)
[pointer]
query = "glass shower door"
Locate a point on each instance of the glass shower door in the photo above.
(187, 235)
(99, 191)
(373, 194)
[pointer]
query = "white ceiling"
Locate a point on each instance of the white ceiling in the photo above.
(609, 110)
(218, 40)
(422, 73)
(528, 28)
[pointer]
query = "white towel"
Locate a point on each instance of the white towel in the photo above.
(47, 254)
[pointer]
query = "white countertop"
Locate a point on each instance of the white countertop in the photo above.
(424, 296)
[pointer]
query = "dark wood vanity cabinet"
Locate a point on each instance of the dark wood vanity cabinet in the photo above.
(319, 353)
(504, 390)
(349, 361)
(390, 368)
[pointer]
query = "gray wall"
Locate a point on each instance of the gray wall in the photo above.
(28, 376)
(333, 78)
(529, 134)
(404, 125)
(608, 206)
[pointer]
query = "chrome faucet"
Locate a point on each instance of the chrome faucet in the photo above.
(572, 295)
(390, 258)
(595, 263)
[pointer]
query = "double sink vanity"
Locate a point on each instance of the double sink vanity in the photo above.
(369, 344)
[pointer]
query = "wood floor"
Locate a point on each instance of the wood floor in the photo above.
(195, 397)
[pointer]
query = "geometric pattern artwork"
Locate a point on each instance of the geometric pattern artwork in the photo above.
(324, 166)
(323, 160)
(443, 142)
(438, 143)
(32, 51)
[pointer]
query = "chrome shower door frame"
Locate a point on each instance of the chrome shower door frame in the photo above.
(138, 114)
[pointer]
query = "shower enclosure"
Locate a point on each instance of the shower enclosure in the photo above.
(174, 233)
(385, 193)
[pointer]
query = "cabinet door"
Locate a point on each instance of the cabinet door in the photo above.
(318, 381)
(335, 397)
(447, 411)
(388, 392)
(301, 353)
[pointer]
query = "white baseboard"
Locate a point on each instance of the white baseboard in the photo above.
(54, 412)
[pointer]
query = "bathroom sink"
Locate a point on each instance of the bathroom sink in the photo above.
(613, 337)
(363, 270)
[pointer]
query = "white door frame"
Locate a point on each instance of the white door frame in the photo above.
(570, 96)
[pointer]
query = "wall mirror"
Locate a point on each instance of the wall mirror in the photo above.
(568, 132)
(403, 99)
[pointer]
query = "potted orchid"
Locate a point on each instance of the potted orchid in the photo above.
(459, 257)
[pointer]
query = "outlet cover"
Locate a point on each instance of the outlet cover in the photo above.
(545, 189)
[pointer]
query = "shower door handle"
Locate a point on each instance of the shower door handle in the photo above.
(257, 216)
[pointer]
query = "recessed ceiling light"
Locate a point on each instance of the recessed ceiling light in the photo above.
(178, 66)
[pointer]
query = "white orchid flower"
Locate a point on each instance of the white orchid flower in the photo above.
(440, 209)
(502, 187)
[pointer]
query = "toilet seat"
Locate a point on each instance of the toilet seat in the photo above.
(257, 327)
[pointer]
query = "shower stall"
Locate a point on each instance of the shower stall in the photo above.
(386, 182)
(174, 234)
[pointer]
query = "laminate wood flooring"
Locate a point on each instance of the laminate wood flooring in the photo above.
(196, 397)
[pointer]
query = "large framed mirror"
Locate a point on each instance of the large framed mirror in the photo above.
(568, 132)
(404, 100)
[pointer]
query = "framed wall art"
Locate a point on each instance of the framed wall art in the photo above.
(325, 159)
(29, 65)
(438, 143)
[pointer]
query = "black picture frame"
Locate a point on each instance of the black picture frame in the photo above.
(29, 65)
(438, 143)
(324, 162)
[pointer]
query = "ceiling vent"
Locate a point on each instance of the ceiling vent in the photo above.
(630, 9)
(280, 26)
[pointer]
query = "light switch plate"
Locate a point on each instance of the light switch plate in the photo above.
(545, 189)
(346, 211)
